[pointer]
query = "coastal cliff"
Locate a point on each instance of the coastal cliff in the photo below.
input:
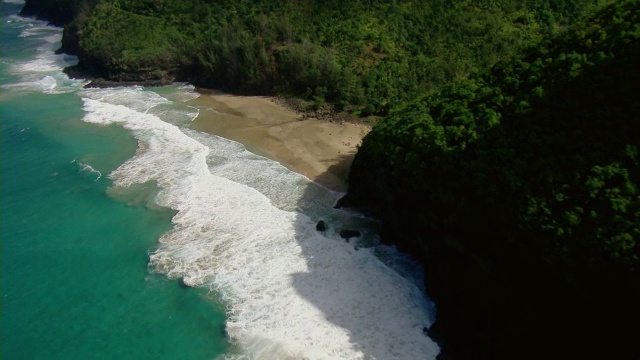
(56, 12)
(519, 188)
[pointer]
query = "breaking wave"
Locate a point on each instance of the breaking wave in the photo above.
(245, 228)
(43, 72)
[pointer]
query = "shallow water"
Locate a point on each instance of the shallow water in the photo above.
(108, 194)
(75, 282)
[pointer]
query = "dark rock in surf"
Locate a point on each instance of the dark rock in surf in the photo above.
(52, 11)
(348, 234)
(343, 202)
(321, 226)
(425, 331)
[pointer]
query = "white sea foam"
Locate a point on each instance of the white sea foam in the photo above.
(43, 73)
(287, 190)
(48, 83)
(134, 97)
(180, 92)
(243, 228)
(86, 168)
(174, 111)
(16, 2)
(37, 28)
(40, 64)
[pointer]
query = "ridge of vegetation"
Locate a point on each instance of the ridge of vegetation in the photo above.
(365, 56)
(524, 180)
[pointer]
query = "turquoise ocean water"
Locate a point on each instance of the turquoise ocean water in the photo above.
(126, 234)
(75, 283)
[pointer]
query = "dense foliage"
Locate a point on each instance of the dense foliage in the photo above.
(369, 54)
(531, 173)
(549, 141)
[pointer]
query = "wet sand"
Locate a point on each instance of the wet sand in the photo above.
(319, 149)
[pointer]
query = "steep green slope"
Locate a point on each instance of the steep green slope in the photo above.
(369, 54)
(521, 190)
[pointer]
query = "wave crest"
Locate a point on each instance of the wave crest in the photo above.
(290, 291)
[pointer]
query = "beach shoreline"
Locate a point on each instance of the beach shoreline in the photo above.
(321, 150)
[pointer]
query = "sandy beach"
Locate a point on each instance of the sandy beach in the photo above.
(319, 149)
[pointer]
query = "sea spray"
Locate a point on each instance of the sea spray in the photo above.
(290, 291)
(42, 73)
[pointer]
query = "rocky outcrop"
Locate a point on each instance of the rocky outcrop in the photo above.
(70, 40)
(56, 12)
(348, 234)
(129, 79)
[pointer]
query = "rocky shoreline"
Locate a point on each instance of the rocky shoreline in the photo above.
(326, 112)
(95, 81)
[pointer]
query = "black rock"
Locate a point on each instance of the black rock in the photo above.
(348, 234)
(343, 202)
(321, 226)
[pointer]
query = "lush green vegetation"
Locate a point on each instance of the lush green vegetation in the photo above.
(368, 54)
(528, 175)
(549, 142)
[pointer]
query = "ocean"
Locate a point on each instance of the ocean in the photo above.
(127, 234)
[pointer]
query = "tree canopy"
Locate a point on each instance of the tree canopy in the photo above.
(367, 55)
(529, 175)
